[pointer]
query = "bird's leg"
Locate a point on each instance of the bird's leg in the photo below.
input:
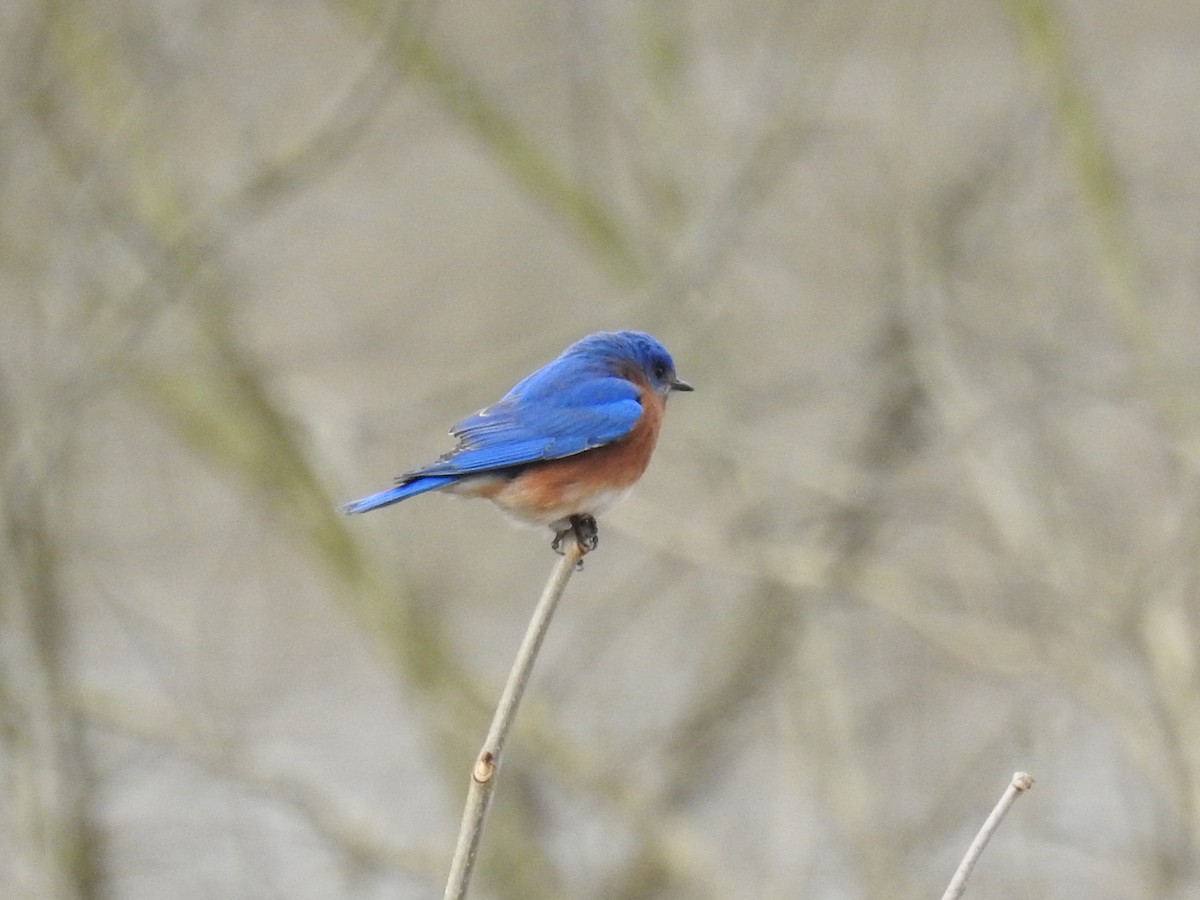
(585, 531)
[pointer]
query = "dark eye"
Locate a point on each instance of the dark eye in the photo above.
(660, 371)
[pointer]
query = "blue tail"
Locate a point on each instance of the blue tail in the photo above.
(398, 493)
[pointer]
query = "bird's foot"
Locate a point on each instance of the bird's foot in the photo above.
(586, 533)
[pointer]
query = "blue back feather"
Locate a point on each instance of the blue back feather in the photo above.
(566, 417)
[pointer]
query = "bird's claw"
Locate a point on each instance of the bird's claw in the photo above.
(586, 533)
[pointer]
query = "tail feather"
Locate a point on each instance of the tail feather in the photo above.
(397, 493)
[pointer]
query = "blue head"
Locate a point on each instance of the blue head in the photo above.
(631, 354)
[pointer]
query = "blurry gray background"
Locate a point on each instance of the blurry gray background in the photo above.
(931, 516)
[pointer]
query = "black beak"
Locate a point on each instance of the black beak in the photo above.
(680, 385)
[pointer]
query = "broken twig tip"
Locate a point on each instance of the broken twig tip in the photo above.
(485, 768)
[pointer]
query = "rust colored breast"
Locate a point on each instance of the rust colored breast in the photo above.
(588, 482)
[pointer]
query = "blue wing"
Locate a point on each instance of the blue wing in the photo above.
(562, 409)
(544, 417)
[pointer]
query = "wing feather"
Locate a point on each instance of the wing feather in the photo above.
(565, 419)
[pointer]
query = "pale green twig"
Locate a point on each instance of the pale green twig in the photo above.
(487, 764)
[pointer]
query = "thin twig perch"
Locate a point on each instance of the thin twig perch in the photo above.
(487, 763)
(1021, 782)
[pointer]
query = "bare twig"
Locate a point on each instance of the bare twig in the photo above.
(487, 764)
(1021, 782)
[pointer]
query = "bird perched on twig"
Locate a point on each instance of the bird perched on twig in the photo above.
(562, 446)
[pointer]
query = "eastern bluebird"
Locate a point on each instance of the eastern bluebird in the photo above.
(564, 444)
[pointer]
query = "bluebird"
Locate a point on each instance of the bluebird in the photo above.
(562, 446)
